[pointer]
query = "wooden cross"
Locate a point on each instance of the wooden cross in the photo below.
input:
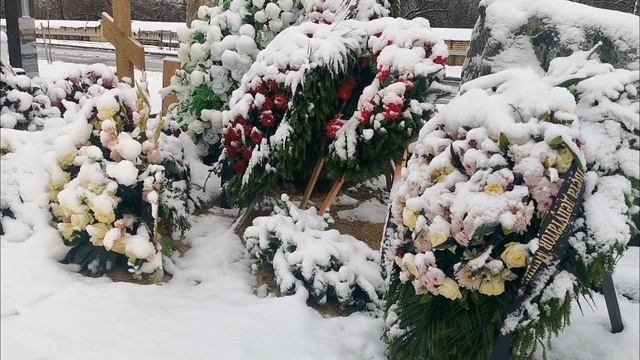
(117, 30)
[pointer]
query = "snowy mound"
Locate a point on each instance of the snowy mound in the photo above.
(518, 33)
(306, 254)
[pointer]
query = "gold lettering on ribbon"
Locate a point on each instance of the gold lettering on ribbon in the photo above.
(556, 223)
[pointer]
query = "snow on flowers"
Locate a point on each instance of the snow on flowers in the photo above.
(306, 254)
(106, 184)
(308, 83)
(483, 174)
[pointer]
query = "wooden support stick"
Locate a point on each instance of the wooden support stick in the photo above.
(169, 67)
(312, 183)
(399, 166)
(610, 298)
(331, 196)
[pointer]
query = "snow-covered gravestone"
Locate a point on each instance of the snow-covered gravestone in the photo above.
(519, 192)
(355, 92)
(514, 33)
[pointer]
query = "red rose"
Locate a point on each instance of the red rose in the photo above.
(267, 105)
(408, 84)
(346, 89)
(333, 126)
(246, 153)
(383, 74)
(280, 101)
(395, 107)
(364, 117)
(230, 135)
(232, 151)
(256, 136)
(261, 88)
(267, 118)
(440, 60)
(391, 115)
(240, 166)
(272, 85)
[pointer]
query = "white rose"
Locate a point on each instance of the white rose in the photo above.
(285, 5)
(196, 127)
(272, 10)
(198, 51)
(248, 30)
(202, 12)
(275, 25)
(258, 3)
(197, 77)
(287, 17)
(260, 16)
(214, 34)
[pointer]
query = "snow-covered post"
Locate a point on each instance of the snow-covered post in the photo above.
(117, 30)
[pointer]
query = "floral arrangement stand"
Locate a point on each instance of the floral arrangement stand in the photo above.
(337, 185)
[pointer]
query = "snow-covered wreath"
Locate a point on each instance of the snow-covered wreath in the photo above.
(355, 91)
(222, 44)
(477, 207)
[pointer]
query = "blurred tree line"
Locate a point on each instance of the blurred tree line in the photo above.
(441, 13)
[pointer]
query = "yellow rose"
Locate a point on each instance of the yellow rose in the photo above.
(450, 289)
(67, 159)
(58, 211)
(106, 217)
(106, 113)
(437, 238)
(406, 264)
(80, 221)
(94, 188)
(492, 286)
(97, 232)
(66, 230)
(442, 174)
(53, 195)
(494, 188)
(515, 255)
(409, 218)
(563, 162)
(5, 145)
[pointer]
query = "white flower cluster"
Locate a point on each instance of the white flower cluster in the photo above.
(306, 254)
(216, 52)
(28, 103)
(104, 181)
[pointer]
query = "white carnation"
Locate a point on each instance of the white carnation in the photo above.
(197, 77)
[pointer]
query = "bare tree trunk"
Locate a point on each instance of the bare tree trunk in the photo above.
(192, 8)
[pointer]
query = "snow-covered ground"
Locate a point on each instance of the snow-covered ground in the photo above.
(208, 309)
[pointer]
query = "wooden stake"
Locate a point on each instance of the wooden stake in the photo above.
(312, 183)
(331, 196)
(169, 67)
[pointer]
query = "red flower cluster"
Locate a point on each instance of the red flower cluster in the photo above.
(365, 116)
(243, 134)
(383, 74)
(345, 91)
(333, 126)
(440, 60)
(393, 111)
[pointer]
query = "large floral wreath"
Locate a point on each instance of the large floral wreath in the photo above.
(482, 180)
(292, 103)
